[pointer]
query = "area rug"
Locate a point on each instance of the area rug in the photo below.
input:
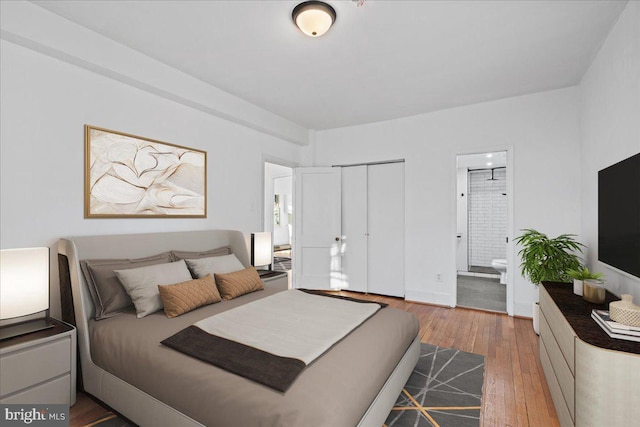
(281, 263)
(109, 420)
(444, 390)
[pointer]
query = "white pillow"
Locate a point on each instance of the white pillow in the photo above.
(215, 265)
(142, 284)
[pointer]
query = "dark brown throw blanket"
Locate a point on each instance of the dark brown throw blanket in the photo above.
(325, 294)
(276, 372)
(265, 368)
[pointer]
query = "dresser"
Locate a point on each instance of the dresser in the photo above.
(39, 368)
(594, 380)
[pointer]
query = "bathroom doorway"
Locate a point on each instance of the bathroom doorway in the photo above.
(482, 230)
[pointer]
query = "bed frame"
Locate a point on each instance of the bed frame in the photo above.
(138, 406)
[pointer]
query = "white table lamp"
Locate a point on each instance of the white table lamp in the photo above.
(24, 290)
(261, 249)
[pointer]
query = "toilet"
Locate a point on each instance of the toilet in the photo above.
(501, 266)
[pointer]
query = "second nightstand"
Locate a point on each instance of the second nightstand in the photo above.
(39, 368)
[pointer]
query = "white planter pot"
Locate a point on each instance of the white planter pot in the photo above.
(536, 318)
(577, 287)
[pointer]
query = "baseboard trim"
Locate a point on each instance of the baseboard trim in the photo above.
(433, 298)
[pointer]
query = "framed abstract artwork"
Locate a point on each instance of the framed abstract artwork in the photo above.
(129, 176)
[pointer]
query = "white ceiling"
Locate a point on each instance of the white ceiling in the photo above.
(384, 60)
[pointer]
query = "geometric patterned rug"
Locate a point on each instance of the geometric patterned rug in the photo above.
(110, 420)
(281, 263)
(444, 390)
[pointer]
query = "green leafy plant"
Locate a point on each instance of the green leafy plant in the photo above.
(545, 259)
(583, 274)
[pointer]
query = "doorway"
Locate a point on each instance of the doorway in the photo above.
(278, 212)
(482, 230)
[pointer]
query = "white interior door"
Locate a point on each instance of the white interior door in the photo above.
(386, 229)
(317, 223)
(354, 228)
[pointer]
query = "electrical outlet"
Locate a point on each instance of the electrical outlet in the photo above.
(439, 277)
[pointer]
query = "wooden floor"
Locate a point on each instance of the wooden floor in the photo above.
(515, 390)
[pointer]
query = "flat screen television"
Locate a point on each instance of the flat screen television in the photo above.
(619, 215)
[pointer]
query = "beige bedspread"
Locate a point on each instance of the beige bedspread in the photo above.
(335, 390)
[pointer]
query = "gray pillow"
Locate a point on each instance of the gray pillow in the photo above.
(109, 297)
(142, 284)
(214, 265)
(178, 255)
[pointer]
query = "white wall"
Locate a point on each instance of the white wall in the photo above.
(610, 127)
(31, 26)
(543, 131)
(44, 104)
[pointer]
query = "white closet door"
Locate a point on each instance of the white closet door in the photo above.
(354, 228)
(316, 250)
(386, 229)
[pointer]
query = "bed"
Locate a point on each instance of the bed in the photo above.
(355, 383)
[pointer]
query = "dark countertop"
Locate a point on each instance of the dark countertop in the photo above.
(577, 311)
(58, 328)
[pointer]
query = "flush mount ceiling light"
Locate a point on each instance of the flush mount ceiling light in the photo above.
(314, 18)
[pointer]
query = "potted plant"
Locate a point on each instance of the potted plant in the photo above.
(545, 259)
(579, 275)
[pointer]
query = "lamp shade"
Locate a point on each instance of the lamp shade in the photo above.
(24, 282)
(314, 18)
(261, 249)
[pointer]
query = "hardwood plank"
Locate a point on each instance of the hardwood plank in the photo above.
(515, 390)
(86, 410)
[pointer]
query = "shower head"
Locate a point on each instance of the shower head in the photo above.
(493, 169)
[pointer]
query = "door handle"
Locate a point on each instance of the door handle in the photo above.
(337, 239)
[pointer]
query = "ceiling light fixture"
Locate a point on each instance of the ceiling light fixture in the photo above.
(314, 18)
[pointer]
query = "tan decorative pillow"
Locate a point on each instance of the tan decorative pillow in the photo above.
(238, 283)
(186, 296)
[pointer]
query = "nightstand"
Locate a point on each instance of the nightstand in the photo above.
(39, 368)
(274, 278)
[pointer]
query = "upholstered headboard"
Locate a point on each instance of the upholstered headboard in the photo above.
(78, 308)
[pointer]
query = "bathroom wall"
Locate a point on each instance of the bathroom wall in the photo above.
(487, 216)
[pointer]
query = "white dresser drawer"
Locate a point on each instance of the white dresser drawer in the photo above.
(564, 335)
(564, 377)
(52, 392)
(34, 365)
(554, 388)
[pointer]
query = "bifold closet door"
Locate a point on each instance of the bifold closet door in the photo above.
(385, 220)
(354, 228)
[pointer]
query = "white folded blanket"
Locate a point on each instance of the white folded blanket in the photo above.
(291, 324)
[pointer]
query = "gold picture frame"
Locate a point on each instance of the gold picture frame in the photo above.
(130, 176)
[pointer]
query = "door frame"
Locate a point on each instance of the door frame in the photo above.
(280, 162)
(511, 255)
